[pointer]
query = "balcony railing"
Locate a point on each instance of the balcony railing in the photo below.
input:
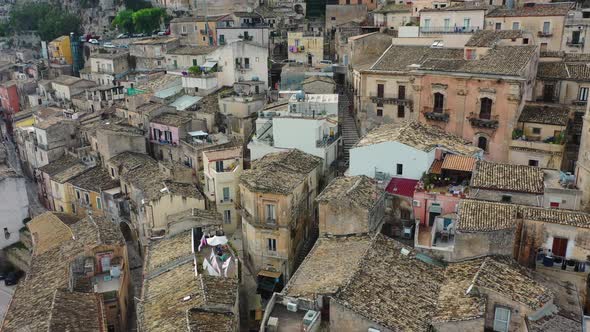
(391, 101)
(441, 115)
(575, 43)
(478, 122)
(544, 34)
(577, 21)
(454, 29)
(327, 140)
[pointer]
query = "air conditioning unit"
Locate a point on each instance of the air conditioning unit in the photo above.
(292, 307)
(273, 324)
(416, 203)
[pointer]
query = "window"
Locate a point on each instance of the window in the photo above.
(554, 205)
(559, 246)
(506, 198)
(333, 18)
(246, 63)
(546, 28)
(73, 208)
(225, 194)
(112, 172)
(219, 166)
(485, 111)
(86, 198)
(447, 24)
(426, 24)
(270, 214)
(271, 244)
(61, 208)
(78, 194)
(525, 41)
(6, 233)
(537, 131)
(380, 90)
(98, 203)
(439, 101)
(194, 62)
(533, 162)
(379, 112)
(498, 26)
(583, 94)
(482, 143)
(515, 25)
(227, 217)
(399, 169)
(401, 92)
(501, 319)
(466, 23)
(401, 111)
(543, 47)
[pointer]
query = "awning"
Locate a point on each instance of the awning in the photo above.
(269, 274)
(436, 167)
(209, 64)
(185, 102)
(198, 133)
(402, 187)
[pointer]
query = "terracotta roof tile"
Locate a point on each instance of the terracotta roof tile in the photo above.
(360, 191)
(508, 177)
(482, 216)
(537, 9)
(545, 114)
(459, 163)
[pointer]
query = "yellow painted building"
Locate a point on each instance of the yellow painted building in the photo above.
(62, 197)
(60, 50)
(306, 47)
(86, 189)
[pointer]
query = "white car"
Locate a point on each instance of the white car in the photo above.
(109, 45)
(93, 41)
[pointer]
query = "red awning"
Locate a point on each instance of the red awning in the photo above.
(402, 187)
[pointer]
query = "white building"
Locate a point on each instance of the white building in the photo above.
(307, 122)
(15, 202)
(404, 151)
(237, 61)
(222, 169)
(256, 34)
(465, 18)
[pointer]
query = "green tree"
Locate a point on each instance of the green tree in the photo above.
(124, 21)
(50, 21)
(137, 4)
(148, 19)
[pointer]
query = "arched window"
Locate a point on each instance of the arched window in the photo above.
(485, 112)
(482, 143)
(439, 102)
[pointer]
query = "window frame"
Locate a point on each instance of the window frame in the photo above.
(505, 322)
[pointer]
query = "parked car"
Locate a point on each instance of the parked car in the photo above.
(326, 62)
(123, 35)
(13, 277)
(93, 41)
(109, 45)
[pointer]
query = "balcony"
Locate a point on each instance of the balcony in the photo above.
(476, 121)
(537, 145)
(391, 101)
(243, 67)
(575, 43)
(255, 221)
(441, 115)
(455, 29)
(577, 21)
(327, 140)
(544, 34)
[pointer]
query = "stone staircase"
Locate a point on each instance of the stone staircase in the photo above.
(350, 135)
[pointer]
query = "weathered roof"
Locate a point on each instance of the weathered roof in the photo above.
(223, 154)
(537, 9)
(109, 55)
(564, 71)
(454, 304)
(339, 255)
(67, 80)
(508, 177)
(171, 288)
(155, 41)
(545, 114)
(489, 38)
(315, 78)
(31, 306)
(75, 311)
(392, 7)
(482, 216)
(96, 179)
(417, 135)
(466, 6)
(211, 320)
(359, 191)
(500, 60)
(280, 172)
(131, 160)
(390, 288)
(59, 165)
(192, 50)
(69, 173)
(172, 119)
(558, 216)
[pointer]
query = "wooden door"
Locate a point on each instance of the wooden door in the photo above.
(559, 246)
